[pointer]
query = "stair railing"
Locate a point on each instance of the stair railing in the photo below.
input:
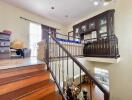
(69, 70)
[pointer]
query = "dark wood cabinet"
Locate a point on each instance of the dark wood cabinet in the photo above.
(103, 24)
(98, 35)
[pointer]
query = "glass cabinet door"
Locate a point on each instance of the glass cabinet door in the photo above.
(84, 28)
(91, 25)
(77, 30)
(103, 26)
(103, 21)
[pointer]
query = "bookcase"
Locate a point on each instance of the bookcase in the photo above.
(4, 45)
(98, 35)
(100, 25)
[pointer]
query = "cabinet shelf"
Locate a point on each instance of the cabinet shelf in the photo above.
(103, 25)
(88, 32)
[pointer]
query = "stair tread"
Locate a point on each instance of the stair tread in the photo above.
(12, 86)
(20, 70)
(19, 67)
(22, 92)
(20, 77)
(52, 96)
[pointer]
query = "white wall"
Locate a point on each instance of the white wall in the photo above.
(121, 73)
(9, 19)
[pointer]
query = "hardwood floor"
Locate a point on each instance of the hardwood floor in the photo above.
(13, 63)
(96, 93)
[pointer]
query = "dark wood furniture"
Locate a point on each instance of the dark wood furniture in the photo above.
(4, 45)
(98, 35)
(102, 25)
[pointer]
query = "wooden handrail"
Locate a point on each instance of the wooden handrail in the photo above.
(95, 81)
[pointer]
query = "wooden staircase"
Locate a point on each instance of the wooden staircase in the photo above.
(27, 83)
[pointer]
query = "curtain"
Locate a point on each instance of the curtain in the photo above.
(45, 36)
(47, 29)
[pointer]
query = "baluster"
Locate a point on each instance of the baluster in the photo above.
(90, 89)
(103, 47)
(67, 65)
(80, 80)
(59, 65)
(73, 49)
(50, 52)
(53, 56)
(76, 48)
(115, 47)
(63, 73)
(56, 68)
(71, 44)
(79, 49)
(74, 45)
(73, 71)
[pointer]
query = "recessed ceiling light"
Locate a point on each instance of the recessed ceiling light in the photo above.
(66, 16)
(52, 7)
(96, 3)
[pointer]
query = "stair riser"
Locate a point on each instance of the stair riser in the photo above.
(39, 94)
(22, 83)
(22, 70)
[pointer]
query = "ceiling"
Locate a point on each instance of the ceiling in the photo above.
(63, 11)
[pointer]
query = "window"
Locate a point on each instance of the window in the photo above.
(35, 37)
(103, 76)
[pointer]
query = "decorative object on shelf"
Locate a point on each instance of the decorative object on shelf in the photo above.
(71, 91)
(17, 44)
(86, 79)
(85, 95)
(77, 30)
(103, 21)
(91, 26)
(7, 32)
(84, 27)
(18, 49)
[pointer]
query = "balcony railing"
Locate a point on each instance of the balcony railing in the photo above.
(106, 46)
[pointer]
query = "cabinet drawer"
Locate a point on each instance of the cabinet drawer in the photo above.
(4, 50)
(4, 43)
